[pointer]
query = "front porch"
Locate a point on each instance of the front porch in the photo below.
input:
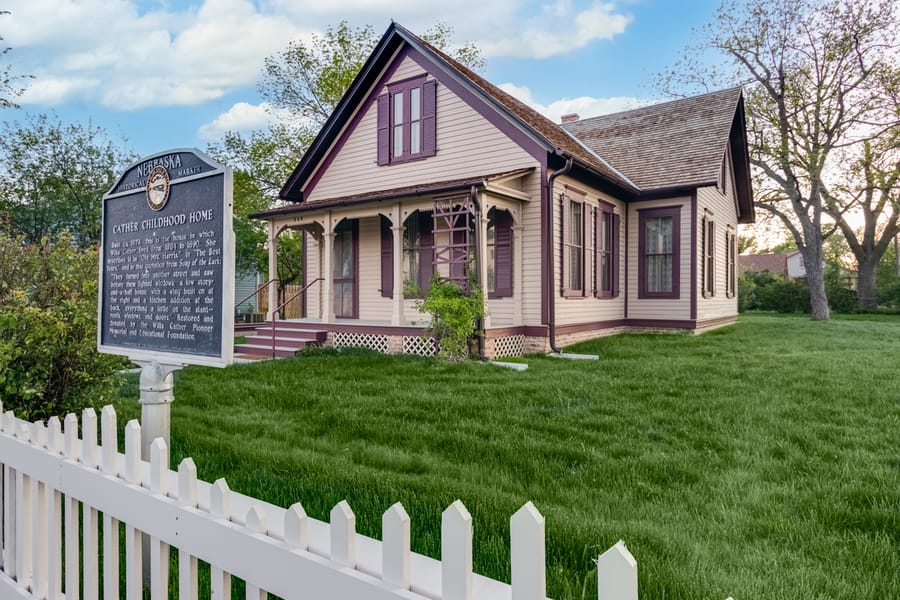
(366, 263)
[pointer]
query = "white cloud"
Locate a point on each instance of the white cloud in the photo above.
(105, 50)
(583, 106)
(559, 29)
(241, 117)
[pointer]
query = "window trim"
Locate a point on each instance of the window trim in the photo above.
(652, 213)
(603, 209)
(708, 266)
(405, 87)
(730, 262)
(568, 292)
(492, 226)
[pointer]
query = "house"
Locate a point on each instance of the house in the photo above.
(787, 264)
(615, 223)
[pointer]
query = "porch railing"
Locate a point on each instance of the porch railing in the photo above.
(285, 303)
(256, 293)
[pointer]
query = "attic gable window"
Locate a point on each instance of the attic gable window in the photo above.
(406, 121)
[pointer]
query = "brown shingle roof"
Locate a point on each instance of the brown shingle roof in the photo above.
(665, 145)
(757, 263)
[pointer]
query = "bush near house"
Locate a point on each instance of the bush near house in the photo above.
(772, 292)
(48, 322)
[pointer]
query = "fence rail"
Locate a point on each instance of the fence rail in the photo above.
(53, 482)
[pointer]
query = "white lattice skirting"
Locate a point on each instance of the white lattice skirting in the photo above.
(361, 340)
(509, 345)
(422, 346)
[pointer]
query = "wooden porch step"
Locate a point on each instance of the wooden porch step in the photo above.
(265, 350)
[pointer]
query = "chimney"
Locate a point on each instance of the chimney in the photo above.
(569, 118)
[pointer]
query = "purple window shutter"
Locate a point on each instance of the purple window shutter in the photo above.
(426, 250)
(384, 130)
(387, 259)
(598, 252)
(429, 104)
(503, 254)
(614, 255)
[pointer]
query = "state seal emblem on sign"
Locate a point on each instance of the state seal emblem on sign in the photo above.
(158, 187)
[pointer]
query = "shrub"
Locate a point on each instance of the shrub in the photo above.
(48, 322)
(454, 316)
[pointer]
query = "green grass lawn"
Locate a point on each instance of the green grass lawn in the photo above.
(760, 461)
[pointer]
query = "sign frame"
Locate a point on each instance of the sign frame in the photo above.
(225, 354)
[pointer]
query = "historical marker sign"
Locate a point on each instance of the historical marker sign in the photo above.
(167, 262)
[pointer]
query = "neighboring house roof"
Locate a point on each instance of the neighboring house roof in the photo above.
(757, 263)
(591, 149)
(665, 145)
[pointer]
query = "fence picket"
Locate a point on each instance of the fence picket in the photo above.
(343, 534)
(9, 520)
(110, 453)
(3, 521)
(39, 520)
(527, 554)
(24, 550)
(617, 574)
(220, 506)
(133, 540)
(456, 552)
(296, 531)
(257, 522)
(70, 506)
(395, 546)
(159, 550)
(90, 518)
(54, 516)
(187, 564)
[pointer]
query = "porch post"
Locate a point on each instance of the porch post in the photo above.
(481, 240)
(272, 290)
(518, 269)
(328, 284)
(397, 228)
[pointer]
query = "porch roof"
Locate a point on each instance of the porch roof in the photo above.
(396, 193)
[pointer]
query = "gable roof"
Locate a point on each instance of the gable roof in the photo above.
(646, 150)
(757, 263)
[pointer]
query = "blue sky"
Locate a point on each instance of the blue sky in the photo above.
(176, 73)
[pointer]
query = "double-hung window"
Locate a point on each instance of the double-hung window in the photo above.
(659, 252)
(730, 263)
(709, 256)
(607, 241)
(573, 248)
(406, 121)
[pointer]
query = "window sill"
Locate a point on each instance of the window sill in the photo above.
(403, 161)
(495, 296)
(659, 296)
(573, 294)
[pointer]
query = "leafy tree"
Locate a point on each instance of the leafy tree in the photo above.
(821, 81)
(52, 177)
(8, 88)
(48, 322)
(302, 85)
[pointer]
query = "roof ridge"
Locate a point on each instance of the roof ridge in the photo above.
(654, 105)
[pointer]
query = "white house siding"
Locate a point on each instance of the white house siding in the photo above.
(531, 284)
(467, 145)
(660, 309)
(313, 269)
(722, 212)
(587, 309)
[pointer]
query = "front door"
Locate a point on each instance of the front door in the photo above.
(345, 267)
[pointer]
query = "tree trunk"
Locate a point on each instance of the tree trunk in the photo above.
(815, 276)
(866, 284)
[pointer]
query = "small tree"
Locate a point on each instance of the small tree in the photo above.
(455, 313)
(49, 364)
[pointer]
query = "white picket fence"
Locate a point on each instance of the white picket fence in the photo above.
(51, 479)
